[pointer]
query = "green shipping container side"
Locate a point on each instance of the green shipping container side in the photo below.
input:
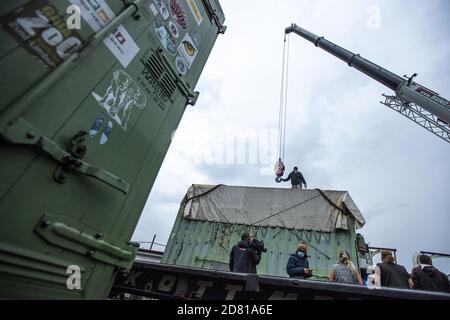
(86, 118)
(211, 220)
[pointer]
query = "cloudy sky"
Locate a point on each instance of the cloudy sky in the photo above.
(338, 133)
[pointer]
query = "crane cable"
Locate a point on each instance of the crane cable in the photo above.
(282, 113)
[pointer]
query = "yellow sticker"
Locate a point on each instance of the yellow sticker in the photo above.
(195, 11)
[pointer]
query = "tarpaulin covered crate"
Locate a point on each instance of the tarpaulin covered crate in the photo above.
(211, 220)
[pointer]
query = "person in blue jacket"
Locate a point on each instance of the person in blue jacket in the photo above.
(298, 265)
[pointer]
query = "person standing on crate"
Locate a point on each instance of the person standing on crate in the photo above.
(296, 179)
(243, 258)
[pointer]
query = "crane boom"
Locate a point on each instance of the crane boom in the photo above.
(418, 103)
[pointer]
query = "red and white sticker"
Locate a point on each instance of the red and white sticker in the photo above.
(122, 45)
(98, 14)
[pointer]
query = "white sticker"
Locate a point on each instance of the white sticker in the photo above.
(96, 13)
(195, 11)
(120, 98)
(122, 45)
(162, 8)
(188, 50)
(153, 9)
(181, 66)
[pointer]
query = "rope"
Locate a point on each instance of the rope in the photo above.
(331, 202)
(204, 193)
(282, 112)
(286, 209)
(281, 109)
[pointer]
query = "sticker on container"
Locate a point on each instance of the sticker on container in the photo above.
(196, 38)
(122, 96)
(165, 37)
(96, 13)
(173, 29)
(97, 126)
(42, 31)
(178, 13)
(188, 50)
(122, 45)
(195, 11)
(162, 8)
(181, 66)
(153, 9)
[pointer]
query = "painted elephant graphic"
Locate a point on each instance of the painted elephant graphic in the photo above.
(121, 97)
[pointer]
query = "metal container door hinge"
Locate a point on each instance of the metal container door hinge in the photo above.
(21, 131)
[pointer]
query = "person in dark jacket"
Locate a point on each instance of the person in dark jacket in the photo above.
(296, 178)
(243, 258)
(390, 274)
(298, 265)
(345, 271)
(427, 277)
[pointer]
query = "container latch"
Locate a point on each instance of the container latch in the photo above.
(21, 131)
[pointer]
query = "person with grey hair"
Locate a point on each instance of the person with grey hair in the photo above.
(427, 277)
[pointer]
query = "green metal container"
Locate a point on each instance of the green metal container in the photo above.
(86, 118)
(211, 220)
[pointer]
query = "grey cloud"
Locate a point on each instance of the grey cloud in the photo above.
(337, 131)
